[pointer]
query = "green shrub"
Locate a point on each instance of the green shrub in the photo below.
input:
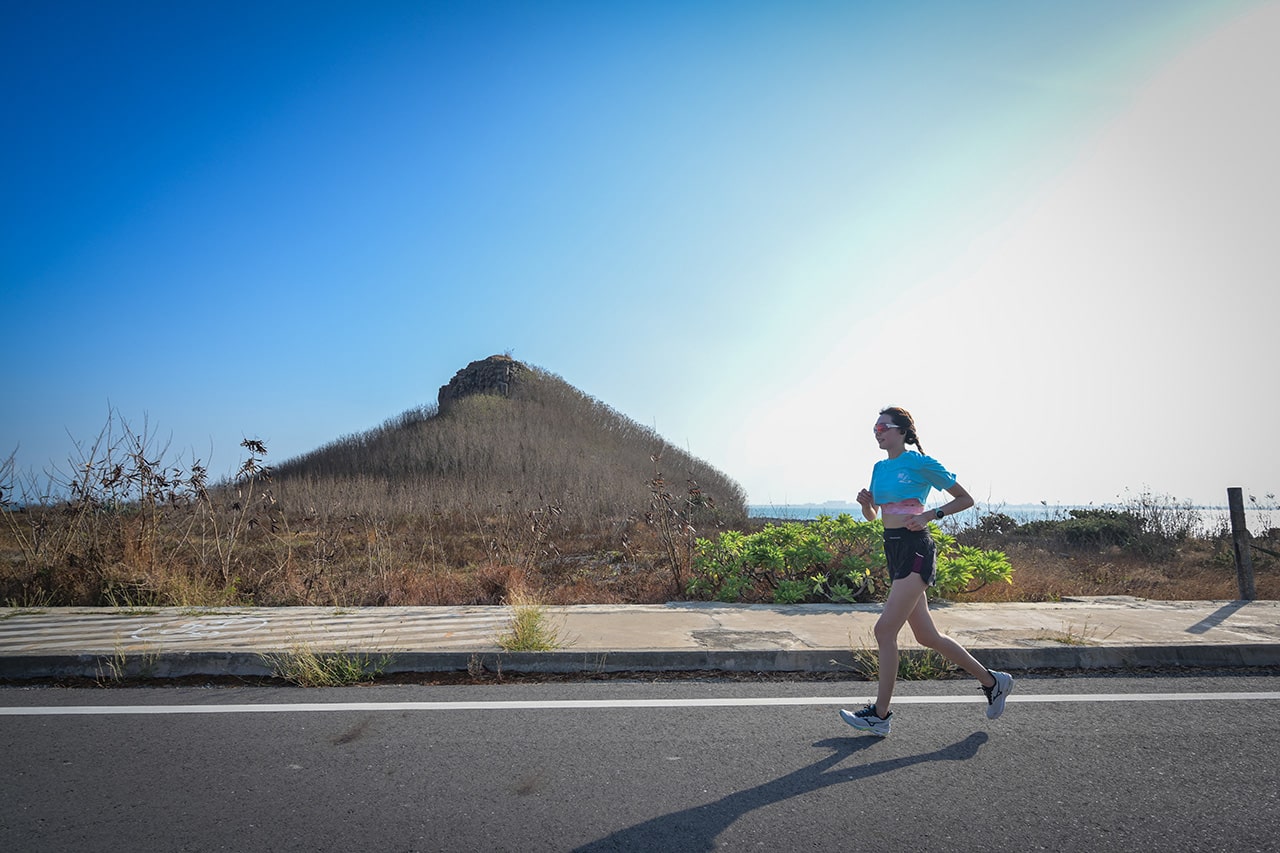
(830, 559)
(1100, 528)
(1040, 528)
(791, 592)
(1148, 526)
(1165, 523)
(964, 566)
(996, 524)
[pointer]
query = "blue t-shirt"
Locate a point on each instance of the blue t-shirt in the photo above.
(911, 475)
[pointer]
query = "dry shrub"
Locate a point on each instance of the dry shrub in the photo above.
(583, 591)
(428, 586)
(1196, 572)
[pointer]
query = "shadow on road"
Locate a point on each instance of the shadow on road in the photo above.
(696, 828)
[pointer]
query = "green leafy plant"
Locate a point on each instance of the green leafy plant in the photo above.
(965, 568)
(830, 559)
(791, 592)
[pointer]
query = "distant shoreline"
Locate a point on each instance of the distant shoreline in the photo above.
(1210, 515)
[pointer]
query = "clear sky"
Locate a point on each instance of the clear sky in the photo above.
(1048, 229)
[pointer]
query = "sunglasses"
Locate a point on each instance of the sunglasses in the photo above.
(879, 428)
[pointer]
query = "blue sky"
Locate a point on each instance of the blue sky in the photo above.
(1044, 228)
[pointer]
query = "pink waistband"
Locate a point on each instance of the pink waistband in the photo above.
(910, 506)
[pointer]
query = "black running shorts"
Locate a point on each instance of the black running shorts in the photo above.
(910, 551)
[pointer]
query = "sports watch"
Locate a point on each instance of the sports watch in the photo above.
(939, 513)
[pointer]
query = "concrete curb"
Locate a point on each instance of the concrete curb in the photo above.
(258, 665)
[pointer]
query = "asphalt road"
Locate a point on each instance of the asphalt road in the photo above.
(1077, 763)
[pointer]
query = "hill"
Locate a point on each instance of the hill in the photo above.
(504, 436)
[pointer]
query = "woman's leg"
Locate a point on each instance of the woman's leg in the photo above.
(904, 596)
(927, 635)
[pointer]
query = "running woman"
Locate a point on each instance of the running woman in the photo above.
(900, 485)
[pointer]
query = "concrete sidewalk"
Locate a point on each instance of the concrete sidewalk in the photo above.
(1085, 633)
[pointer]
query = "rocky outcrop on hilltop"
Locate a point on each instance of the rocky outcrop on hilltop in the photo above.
(497, 374)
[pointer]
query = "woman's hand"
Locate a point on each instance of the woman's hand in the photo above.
(918, 522)
(868, 505)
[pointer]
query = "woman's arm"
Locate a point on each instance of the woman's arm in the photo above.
(869, 507)
(960, 501)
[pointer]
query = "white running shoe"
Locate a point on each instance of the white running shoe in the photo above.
(997, 693)
(867, 721)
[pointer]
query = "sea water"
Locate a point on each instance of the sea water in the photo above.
(1212, 518)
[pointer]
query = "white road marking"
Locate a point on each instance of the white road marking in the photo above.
(592, 704)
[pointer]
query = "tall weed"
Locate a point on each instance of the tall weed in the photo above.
(123, 524)
(531, 628)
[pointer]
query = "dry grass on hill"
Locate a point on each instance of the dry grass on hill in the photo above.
(543, 446)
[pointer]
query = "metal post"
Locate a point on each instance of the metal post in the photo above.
(1240, 540)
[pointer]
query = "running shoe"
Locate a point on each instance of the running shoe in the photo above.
(867, 721)
(997, 693)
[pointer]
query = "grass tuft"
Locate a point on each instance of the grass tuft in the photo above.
(913, 664)
(1070, 635)
(305, 667)
(531, 629)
